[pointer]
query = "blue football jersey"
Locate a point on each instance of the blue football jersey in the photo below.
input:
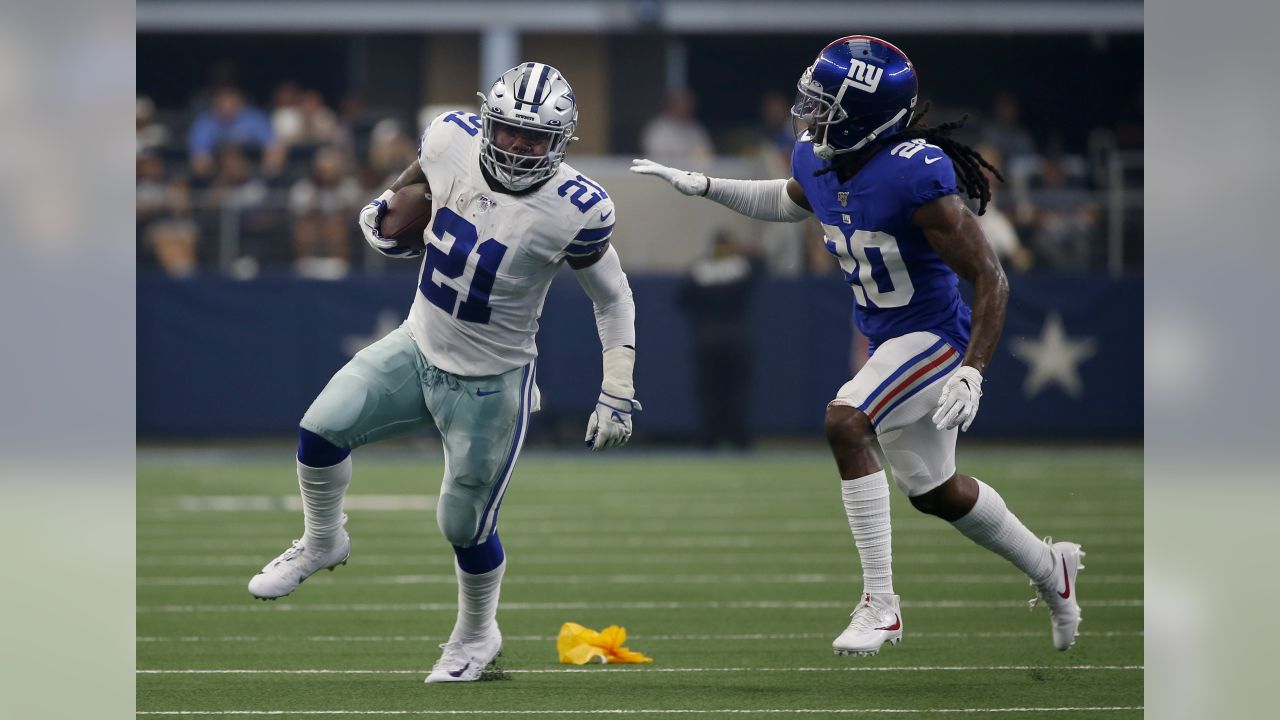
(900, 284)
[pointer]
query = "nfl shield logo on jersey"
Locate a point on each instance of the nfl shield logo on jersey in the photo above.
(843, 197)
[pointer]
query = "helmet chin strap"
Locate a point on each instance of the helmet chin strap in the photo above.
(826, 152)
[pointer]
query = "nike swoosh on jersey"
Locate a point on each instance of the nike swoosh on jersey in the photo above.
(484, 393)
(1066, 578)
(605, 216)
(932, 160)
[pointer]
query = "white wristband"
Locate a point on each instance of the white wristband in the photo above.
(619, 364)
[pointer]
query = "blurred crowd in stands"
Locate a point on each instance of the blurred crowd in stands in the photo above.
(283, 185)
(228, 186)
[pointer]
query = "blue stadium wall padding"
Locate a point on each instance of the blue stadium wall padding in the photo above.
(219, 357)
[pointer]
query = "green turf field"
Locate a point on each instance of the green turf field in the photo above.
(733, 572)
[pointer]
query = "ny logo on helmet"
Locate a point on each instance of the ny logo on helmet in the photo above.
(863, 76)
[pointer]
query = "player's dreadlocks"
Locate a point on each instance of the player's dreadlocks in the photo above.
(967, 161)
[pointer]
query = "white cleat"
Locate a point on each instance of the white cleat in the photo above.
(1061, 594)
(464, 662)
(284, 574)
(876, 621)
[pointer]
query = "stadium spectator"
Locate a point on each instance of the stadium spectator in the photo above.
(322, 206)
(151, 135)
(285, 116)
(236, 183)
(390, 150)
(1005, 131)
(775, 124)
(716, 297)
(996, 225)
(1066, 217)
(305, 120)
(238, 195)
(784, 247)
(355, 122)
(675, 136)
(230, 121)
(164, 224)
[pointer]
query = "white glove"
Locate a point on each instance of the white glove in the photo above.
(371, 226)
(959, 401)
(689, 183)
(610, 424)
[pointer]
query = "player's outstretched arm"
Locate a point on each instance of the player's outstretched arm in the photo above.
(953, 232)
(601, 276)
(371, 215)
(774, 200)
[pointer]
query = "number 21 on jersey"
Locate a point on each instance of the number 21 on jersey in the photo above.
(453, 265)
(872, 265)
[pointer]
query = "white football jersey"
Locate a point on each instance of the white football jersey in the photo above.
(490, 256)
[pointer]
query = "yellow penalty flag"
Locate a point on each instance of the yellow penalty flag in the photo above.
(579, 645)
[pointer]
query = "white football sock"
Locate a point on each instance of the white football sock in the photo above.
(866, 503)
(477, 603)
(323, 490)
(991, 525)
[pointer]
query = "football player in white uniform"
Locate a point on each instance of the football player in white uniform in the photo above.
(507, 211)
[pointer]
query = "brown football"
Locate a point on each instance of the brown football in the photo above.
(407, 216)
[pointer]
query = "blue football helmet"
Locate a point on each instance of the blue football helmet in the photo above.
(859, 88)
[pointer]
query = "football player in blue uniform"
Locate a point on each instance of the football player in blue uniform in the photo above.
(886, 189)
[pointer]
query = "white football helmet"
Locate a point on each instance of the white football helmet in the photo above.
(534, 103)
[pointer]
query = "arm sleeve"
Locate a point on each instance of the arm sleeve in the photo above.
(760, 199)
(606, 285)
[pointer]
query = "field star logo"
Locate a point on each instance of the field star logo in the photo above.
(843, 197)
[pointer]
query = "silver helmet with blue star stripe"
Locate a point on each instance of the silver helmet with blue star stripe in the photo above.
(528, 117)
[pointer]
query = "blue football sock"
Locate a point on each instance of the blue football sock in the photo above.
(314, 451)
(482, 558)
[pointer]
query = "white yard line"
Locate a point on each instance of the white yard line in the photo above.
(246, 503)
(251, 606)
(689, 557)
(596, 542)
(631, 636)
(785, 579)
(651, 711)
(179, 525)
(647, 669)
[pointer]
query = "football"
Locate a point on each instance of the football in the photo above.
(407, 216)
